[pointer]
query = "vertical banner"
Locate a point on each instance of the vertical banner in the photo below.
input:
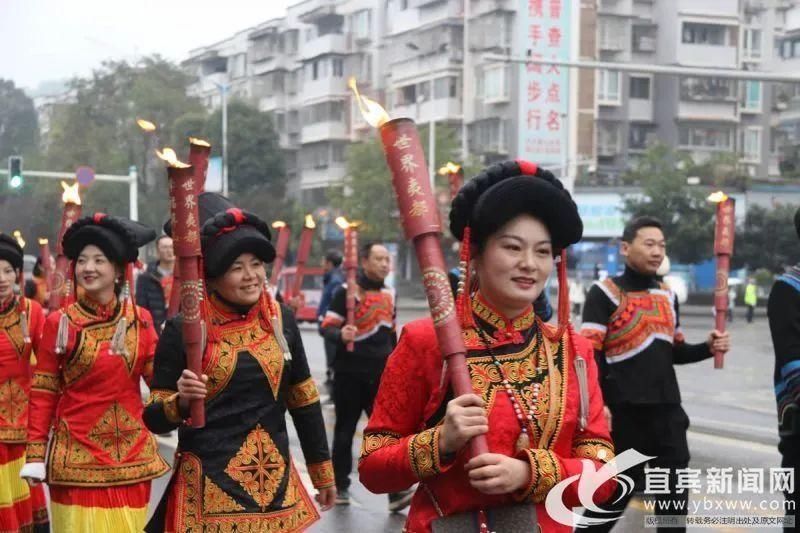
(544, 32)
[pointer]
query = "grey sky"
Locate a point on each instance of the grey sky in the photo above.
(43, 40)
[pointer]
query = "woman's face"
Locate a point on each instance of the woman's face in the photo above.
(8, 276)
(514, 265)
(95, 273)
(243, 282)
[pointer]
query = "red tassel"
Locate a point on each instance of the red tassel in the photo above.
(211, 330)
(463, 299)
(129, 300)
(563, 294)
(21, 282)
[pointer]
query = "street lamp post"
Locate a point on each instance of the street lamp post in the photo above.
(223, 89)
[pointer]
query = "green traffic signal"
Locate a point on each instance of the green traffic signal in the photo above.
(15, 171)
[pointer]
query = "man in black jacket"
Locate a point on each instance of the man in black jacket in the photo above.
(633, 322)
(153, 287)
(357, 374)
(783, 311)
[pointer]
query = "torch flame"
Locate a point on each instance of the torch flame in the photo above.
(342, 222)
(42, 241)
(717, 197)
(70, 194)
(18, 235)
(449, 168)
(169, 156)
(375, 115)
(146, 125)
(199, 142)
(310, 222)
(278, 224)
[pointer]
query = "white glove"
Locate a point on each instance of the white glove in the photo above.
(33, 473)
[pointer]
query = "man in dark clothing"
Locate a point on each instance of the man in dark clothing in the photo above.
(634, 323)
(153, 287)
(357, 374)
(783, 310)
(332, 280)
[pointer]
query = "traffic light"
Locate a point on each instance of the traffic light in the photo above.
(15, 171)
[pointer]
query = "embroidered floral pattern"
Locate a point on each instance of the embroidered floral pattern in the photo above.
(186, 498)
(321, 474)
(216, 500)
(34, 451)
(171, 409)
(13, 403)
(45, 381)
(545, 473)
(258, 467)
(116, 432)
(11, 326)
(302, 394)
(423, 452)
(595, 449)
(375, 441)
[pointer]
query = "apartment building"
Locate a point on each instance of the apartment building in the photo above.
(409, 54)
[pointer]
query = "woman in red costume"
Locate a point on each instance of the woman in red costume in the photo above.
(21, 320)
(536, 397)
(93, 356)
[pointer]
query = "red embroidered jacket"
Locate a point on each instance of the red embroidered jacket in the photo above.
(15, 369)
(92, 400)
(401, 440)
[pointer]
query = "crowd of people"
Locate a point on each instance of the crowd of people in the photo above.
(547, 400)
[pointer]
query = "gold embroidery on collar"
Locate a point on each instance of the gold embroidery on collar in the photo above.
(497, 321)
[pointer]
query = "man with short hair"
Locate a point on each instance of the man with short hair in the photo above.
(332, 279)
(154, 285)
(357, 374)
(783, 311)
(634, 324)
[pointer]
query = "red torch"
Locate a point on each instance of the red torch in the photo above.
(47, 267)
(420, 219)
(455, 177)
(186, 241)
(199, 150)
(281, 247)
(72, 212)
(723, 249)
(303, 251)
(350, 268)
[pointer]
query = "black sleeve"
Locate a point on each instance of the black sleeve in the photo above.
(142, 292)
(783, 311)
(30, 288)
(335, 317)
(161, 413)
(303, 397)
(597, 311)
(682, 352)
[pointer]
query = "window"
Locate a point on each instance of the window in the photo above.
(290, 40)
(608, 87)
(707, 89)
(639, 136)
(446, 87)
(790, 48)
(710, 137)
(406, 95)
(323, 112)
(493, 83)
(752, 96)
(612, 32)
(643, 38)
(489, 136)
(608, 144)
(360, 24)
(338, 67)
(237, 66)
(751, 144)
(365, 67)
(337, 153)
(640, 88)
(751, 44)
(695, 33)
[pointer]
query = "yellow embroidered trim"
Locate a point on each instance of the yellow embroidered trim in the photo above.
(322, 474)
(302, 394)
(171, 409)
(258, 466)
(545, 474)
(373, 442)
(423, 453)
(35, 451)
(46, 382)
(595, 449)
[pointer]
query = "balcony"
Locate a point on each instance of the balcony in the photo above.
(709, 8)
(315, 11)
(323, 88)
(332, 43)
(316, 178)
(706, 55)
(621, 8)
(708, 111)
(273, 101)
(640, 110)
(424, 67)
(402, 21)
(276, 62)
(438, 110)
(323, 131)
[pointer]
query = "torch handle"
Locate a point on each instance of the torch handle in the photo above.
(192, 329)
(351, 303)
(721, 302)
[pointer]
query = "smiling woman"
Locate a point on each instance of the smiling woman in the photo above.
(536, 397)
(254, 370)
